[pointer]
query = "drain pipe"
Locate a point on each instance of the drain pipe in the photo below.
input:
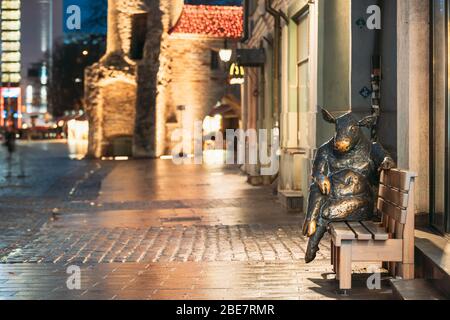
(376, 77)
(277, 54)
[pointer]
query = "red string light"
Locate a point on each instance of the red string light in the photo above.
(213, 21)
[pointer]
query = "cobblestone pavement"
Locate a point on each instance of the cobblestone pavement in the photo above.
(165, 244)
(151, 230)
(26, 203)
(182, 281)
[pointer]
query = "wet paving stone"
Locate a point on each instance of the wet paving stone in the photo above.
(188, 280)
(194, 243)
(148, 229)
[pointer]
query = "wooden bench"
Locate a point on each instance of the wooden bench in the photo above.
(390, 242)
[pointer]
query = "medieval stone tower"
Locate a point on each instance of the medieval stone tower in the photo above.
(124, 90)
(161, 58)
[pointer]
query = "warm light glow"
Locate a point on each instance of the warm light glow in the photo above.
(77, 139)
(11, 46)
(121, 158)
(85, 53)
(11, 77)
(237, 81)
(237, 74)
(11, 25)
(11, 15)
(11, 56)
(214, 157)
(10, 4)
(11, 67)
(10, 41)
(225, 55)
(11, 36)
(212, 124)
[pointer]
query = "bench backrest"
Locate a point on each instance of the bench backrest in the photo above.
(396, 203)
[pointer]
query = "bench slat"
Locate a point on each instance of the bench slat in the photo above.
(389, 250)
(340, 231)
(396, 197)
(397, 179)
(360, 231)
(392, 211)
(379, 233)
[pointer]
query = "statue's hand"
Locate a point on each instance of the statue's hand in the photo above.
(387, 164)
(324, 186)
(309, 228)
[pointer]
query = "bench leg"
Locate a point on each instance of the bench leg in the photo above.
(392, 269)
(337, 255)
(406, 271)
(333, 262)
(345, 266)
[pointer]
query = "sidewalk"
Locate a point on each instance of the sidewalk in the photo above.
(151, 230)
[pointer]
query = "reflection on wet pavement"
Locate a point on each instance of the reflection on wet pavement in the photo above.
(148, 229)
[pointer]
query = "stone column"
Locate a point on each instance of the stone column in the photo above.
(145, 141)
(413, 94)
(113, 38)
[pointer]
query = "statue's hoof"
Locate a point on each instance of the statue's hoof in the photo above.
(311, 254)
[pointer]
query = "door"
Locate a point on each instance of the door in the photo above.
(439, 117)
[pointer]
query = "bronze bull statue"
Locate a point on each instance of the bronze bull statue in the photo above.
(345, 176)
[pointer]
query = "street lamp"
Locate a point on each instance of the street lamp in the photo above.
(237, 74)
(225, 54)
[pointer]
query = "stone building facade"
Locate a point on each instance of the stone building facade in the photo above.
(159, 74)
(324, 59)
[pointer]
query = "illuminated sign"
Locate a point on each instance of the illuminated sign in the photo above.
(10, 104)
(10, 42)
(10, 92)
(237, 74)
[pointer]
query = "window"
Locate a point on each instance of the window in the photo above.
(440, 122)
(303, 60)
(214, 60)
(138, 36)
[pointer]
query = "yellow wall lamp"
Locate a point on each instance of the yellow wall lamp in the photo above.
(237, 74)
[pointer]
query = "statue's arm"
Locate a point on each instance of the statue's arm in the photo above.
(382, 158)
(320, 171)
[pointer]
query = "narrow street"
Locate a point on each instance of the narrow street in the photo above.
(148, 229)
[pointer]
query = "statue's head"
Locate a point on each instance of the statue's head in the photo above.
(348, 130)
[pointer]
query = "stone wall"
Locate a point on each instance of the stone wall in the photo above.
(139, 99)
(193, 83)
(123, 97)
(106, 106)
